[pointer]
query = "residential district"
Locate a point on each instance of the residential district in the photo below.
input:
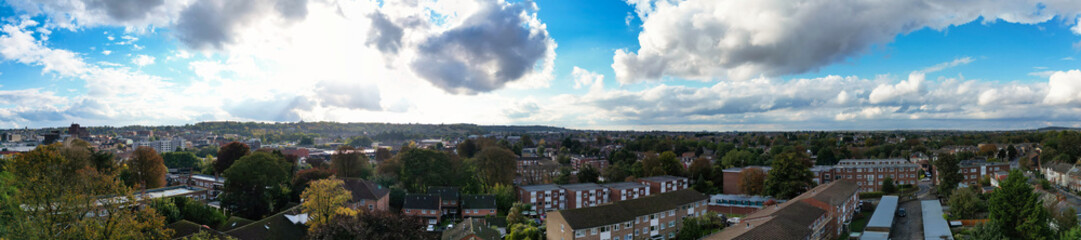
(235, 180)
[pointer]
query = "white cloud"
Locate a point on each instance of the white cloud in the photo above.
(106, 52)
(733, 39)
(1065, 88)
(142, 60)
(586, 78)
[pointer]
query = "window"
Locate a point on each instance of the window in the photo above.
(672, 235)
(671, 213)
(627, 225)
(672, 223)
(593, 231)
(652, 216)
(561, 227)
(636, 232)
(615, 227)
(580, 233)
(628, 237)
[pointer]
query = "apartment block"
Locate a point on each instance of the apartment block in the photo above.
(623, 191)
(869, 173)
(658, 216)
(585, 195)
(666, 183)
(544, 198)
(819, 213)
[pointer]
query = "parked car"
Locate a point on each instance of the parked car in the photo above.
(901, 212)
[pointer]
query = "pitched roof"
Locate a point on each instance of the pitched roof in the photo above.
(582, 186)
(624, 185)
(276, 226)
(444, 192)
(663, 178)
(535, 188)
(364, 189)
(834, 193)
(794, 222)
(473, 227)
(1060, 167)
(421, 201)
(478, 202)
(623, 211)
(184, 228)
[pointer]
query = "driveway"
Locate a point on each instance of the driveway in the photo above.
(911, 226)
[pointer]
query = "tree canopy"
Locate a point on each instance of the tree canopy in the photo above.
(1017, 210)
(349, 162)
(495, 165)
(147, 168)
(228, 154)
(256, 185)
(789, 176)
(322, 199)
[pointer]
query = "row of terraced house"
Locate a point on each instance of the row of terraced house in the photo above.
(551, 197)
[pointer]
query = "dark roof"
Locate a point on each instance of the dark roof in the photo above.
(1061, 167)
(421, 201)
(624, 185)
(276, 226)
(582, 186)
(234, 222)
(444, 192)
(364, 189)
(623, 211)
(184, 228)
(792, 223)
(535, 188)
(834, 193)
(663, 178)
(474, 227)
(478, 202)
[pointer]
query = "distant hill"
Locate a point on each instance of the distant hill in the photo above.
(522, 129)
(1054, 128)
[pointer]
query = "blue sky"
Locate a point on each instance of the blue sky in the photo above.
(634, 64)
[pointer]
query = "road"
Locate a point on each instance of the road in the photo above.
(911, 226)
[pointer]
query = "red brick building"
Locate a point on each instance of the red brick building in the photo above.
(544, 198)
(663, 184)
(623, 191)
(424, 206)
(597, 163)
(478, 206)
(585, 195)
(731, 179)
(974, 170)
(869, 173)
(448, 197)
(659, 216)
(819, 213)
(367, 195)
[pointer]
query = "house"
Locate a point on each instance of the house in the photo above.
(213, 184)
(657, 216)
(663, 184)
(621, 191)
(478, 206)
(819, 213)
(585, 195)
(472, 229)
(367, 195)
(449, 201)
(544, 198)
(288, 224)
(427, 207)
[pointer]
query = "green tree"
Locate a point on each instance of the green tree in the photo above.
(199, 212)
(322, 199)
(495, 165)
(256, 185)
(1065, 219)
(524, 232)
(349, 162)
(1017, 210)
(228, 154)
(359, 141)
(504, 196)
(670, 164)
(180, 160)
(370, 225)
(514, 214)
(588, 174)
(825, 156)
(949, 173)
(303, 177)
(468, 148)
(987, 231)
(1071, 234)
(166, 208)
(964, 203)
(147, 168)
(423, 167)
(888, 185)
(789, 176)
(564, 176)
(737, 158)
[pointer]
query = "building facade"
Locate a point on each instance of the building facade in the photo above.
(623, 191)
(819, 213)
(367, 195)
(585, 195)
(478, 206)
(544, 198)
(424, 206)
(658, 216)
(869, 173)
(663, 184)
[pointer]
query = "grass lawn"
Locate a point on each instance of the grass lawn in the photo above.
(858, 224)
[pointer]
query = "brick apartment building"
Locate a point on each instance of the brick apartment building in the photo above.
(541, 171)
(544, 198)
(819, 213)
(869, 173)
(653, 217)
(731, 179)
(663, 184)
(478, 206)
(424, 206)
(597, 163)
(585, 195)
(974, 170)
(623, 191)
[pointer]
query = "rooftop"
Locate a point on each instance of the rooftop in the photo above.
(582, 186)
(623, 211)
(882, 219)
(478, 202)
(663, 178)
(421, 201)
(444, 192)
(364, 189)
(934, 226)
(792, 223)
(535, 188)
(624, 185)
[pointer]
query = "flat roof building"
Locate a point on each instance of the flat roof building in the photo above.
(882, 219)
(934, 226)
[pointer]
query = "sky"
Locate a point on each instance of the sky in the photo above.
(687, 65)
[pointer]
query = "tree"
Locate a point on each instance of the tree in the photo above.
(504, 196)
(588, 174)
(468, 148)
(1065, 219)
(1011, 153)
(421, 168)
(888, 186)
(698, 227)
(789, 176)
(303, 177)
(147, 168)
(988, 150)
(564, 176)
(524, 232)
(57, 193)
(228, 154)
(752, 181)
(825, 156)
(514, 215)
(370, 225)
(349, 162)
(205, 235)
(737, 158)
(256, 185)
(949, 173)
(104, 161)
(1017, 210)
(670, 164)
(166, 208)
(964, 203)
(359, 141)
(199, 212)
(651, 165)
(700, 168)
(322, 199)
(382, 154)
(987, 231)
(495, 165)
(186, 160)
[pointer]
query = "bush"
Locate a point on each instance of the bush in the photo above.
(871, 195)
(198, 212)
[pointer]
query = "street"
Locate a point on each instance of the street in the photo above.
(911, 226)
